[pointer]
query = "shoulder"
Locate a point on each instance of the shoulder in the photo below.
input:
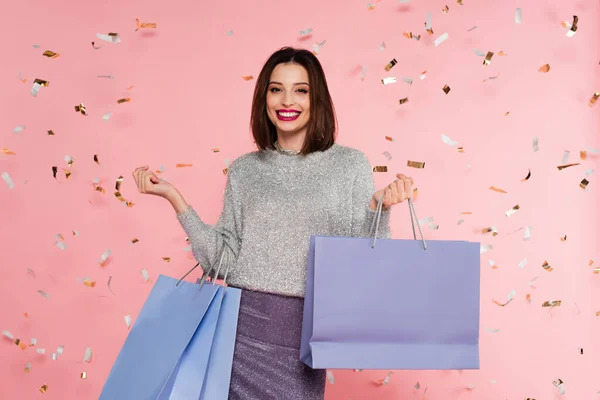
(245, 164)
(353, 159)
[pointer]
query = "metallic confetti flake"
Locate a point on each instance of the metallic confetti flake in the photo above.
(527, 235)
(565, 158)
(306, 32)
(386, 380)
(111, 37)
(518, 16)
(580, 350)
(183, 165)
(104, 257)
(493, 264)
(215, 150)
(390, 65)
(583, 184)
(423, 75)
(445, 10)
(428, 21)
(8, 335)
(167, 259)
(488, 58)
(143, 25)
(389, 80)
(106, 116)
(8, 180)
(415, 164)
(317, 47)
(33, 342)
(248, 78)
(44, 388)
(229, 32)
(596, 271)
(512, 210)
(69, 160)
(472, 28)
(594, 98)
(40, 351)
(28, 367)
(509, 298)
(441, 39)
(563, 239)
(108, 284)
(391, 139)
(54, 357)
(460, 222)
(106, 76)
(479, 53)
(363, 73)
(484, 248)
(528, 298)
(145, 274)
(552, 303)
(410, 35)
(449, 141)
(407, 80)
(89, 283)
(50, 54)
(134, 240)
(523, 263)
(60, 350)
(417, 386)
(446, 89)
(573, 27)
(495, 189)
(380, 168)
(81, 109)
(128, 321)
(387, 155)
(330, 377)
(46, 295)
(88, 355)
(83, 375)
(559, 384)
(118, 183)
(491, 229)
(124, 100)
(547, 266)
(19, 128)
(535, 144)
(544, 68)
(527, 177)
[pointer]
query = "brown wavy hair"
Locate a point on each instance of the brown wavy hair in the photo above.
(322, 123)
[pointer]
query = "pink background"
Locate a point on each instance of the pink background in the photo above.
(189, 97)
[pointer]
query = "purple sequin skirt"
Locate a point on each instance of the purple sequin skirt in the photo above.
(266, 360)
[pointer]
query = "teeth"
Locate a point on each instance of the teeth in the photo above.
(288, 114)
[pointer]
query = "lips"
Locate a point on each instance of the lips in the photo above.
(287, 115)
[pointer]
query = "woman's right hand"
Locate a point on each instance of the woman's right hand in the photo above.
(148, 183)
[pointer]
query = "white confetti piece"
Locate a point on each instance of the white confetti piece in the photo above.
(382, 46)
(145, 274)
(470, 387)
(110, 38)
(317, 46)
(306, 32)
(68, 159)
(535, 145)
(527, 235)
(104, 256)
(88, 355)
(128, 321)
(589, 172)
(441, 39)
(428, 21)
(479, 53)
(523, 263)
(60, 350)
(8, 335)
(46, 295)
(484, 248)
(33, 342)
(512, 211)
(423, 75)
(565, 158)
(106, 116)
(35, 89)
(60, 244)
(518, 16)
(407, 80)
(54, 356)
(388, 80)
(40, 351)
(363, 73)
(449, 141)
(18, 129)
(8, 180)
(330, 377)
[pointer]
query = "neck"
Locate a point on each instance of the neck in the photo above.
(291, 142)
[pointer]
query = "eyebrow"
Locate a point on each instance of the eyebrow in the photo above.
(297, 83)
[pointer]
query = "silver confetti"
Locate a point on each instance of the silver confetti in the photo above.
(145, 274)
(382, 46)
(106, 76)
(460, 222)
(128, 321)
(54, 356)
(46, 295)
(9, 182)
(386, 380)
(518, 16)
(388, 80)
(40, 351)
(441, 39)
(449, 141)
(490, 330)
(523, 263)
(527, 233)
(8, 335)
(114, 38)
(535, 144)
(387, 155)
(407, 80)
(363, 73)
(565, 158)
(428, 21)
(106, 116)
(473, 28)
(306, 32)
(88, 355)
(512, 211)
(33, 342)
(28, 367)
(330, 377)
(229, 32)
(108, 284)
(530, 283)
(104, 256)
(559, 384)
(484, 248)
(589, 172)
(18, 129)
(479, 53)
(35, 89)
(60, 350)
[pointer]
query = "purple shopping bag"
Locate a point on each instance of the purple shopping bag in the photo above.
(391, 304)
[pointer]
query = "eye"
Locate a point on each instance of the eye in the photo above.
(303, 91)
(274, 90)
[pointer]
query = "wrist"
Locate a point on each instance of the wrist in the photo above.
(177, 201)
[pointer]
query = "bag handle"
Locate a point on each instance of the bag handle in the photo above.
(413, 219)
(205, 275)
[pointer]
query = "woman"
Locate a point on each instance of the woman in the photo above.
(299, 183)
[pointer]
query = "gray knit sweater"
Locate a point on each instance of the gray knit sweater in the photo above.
(273, 203)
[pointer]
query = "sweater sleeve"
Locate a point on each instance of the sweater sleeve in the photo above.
(362, 215)
(208, 241)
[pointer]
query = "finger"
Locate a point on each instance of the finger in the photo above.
(406, 188)
(394, 193)
(409, 189)
(154, 178)
(401, 190)
(136, 178)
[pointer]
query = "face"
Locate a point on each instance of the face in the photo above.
(288, 103)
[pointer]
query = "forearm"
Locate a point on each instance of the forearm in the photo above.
(178, 202)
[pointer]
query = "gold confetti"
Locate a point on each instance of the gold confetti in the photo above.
(111, 37)
(89, 283)
(380, 168)
(573, 26)
(7, 151)
(512, 210)
(564, 238)
(41, 82)
(488, 58)
(167, 259)
(446, 89)
(142, 25)
(415, 164)
(492, 229)
(590, 263)
(583, 184)
(583, 154)
(547, 266)
(50, 54)
(50, 133)
(215, 150)
(124, 100)
(81, 109)
(390, 65)
(44, 388)
(561, 167)
(389, 138)
(96, 159)
(597, 313)
(594, 98)
(182, 165)
(527, 177)
(559, 384)
(552, 303)
(225, 171)
(28, 367)
(544, 68)
(247, 78)
(495, 189)
(409, 35)
(506, 113)
(404, 100)
(134, 240)
(83, 375)
(445, 10)
(528, 298)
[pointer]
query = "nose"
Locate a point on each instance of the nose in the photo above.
(288, 100)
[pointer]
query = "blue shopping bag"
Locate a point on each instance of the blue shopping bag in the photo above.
(391, 304)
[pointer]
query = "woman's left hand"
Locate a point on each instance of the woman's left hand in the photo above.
(396, 192)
